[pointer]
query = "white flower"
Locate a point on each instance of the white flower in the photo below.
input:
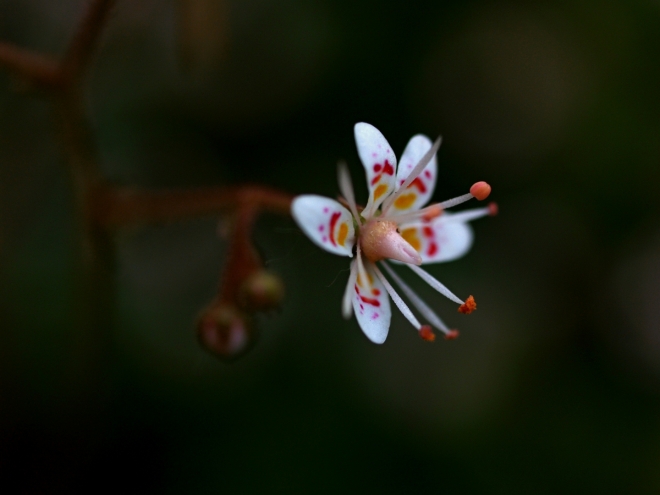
(393, 226)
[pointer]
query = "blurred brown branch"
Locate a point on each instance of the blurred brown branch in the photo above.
(102, 208)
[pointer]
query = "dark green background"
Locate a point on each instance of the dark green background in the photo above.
(554, 384)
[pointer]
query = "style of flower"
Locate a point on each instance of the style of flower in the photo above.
(392, 226)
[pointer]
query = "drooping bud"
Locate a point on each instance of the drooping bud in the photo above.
(379, 240)
(261, 291)
(225, 331)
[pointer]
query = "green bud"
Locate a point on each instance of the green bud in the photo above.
(261, 291)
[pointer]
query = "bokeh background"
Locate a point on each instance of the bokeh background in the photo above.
(554, 385)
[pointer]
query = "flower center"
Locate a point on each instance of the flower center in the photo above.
(380, 239)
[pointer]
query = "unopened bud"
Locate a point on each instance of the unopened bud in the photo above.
(261, 291)
(225, 331)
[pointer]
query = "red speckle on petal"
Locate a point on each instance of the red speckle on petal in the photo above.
(373, 302)
(432, 250)
(375, 292)
(377, 167)
(427, 231)
(427, 174)
(421, 187)
(388, 169)
(333, 222)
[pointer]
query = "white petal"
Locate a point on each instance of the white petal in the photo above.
(379, 164)
(440, 240)
(371, 305)
(326, 222)
(420, 191)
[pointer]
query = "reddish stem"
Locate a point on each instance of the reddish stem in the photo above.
(114, 207)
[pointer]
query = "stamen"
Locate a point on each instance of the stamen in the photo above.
(467, 307)
(426, 333)
(466, 215)
(362, 273)
(417, 301)
(405, 310)
(453, 334)
(423, 162)
(480, 190)
(347, 304)
(456, 201)
(436, 284)
(346, 188)
(425, 214)
(493, 209)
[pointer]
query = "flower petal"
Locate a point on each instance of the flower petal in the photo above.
(439, 240)
(371, 305)
(419, 192)
(379, 163)
(326, 222)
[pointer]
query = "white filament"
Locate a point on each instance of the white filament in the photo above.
(405, 310)
(417, 301)
(346, 188)
(436, 284)
(423, 162)
(347, 302)
(466, 216)
(456, 201)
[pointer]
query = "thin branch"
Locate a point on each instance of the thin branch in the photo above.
(119, 207)
(84, 41)
(37, 69)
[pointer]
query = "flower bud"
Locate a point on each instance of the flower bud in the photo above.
(261, 291)
(225, 331)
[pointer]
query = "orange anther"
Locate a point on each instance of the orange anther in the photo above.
(480, 190)
(451, 335)
(493, 209)
(433, 211)
(467, 307)
(426, 333)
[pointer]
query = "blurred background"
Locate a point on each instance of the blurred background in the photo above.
(554, 384)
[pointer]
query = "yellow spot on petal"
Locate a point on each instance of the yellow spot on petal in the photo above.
(405, 201)
(380, 190)
(369, 277)
(343, 232)
(410, 235)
